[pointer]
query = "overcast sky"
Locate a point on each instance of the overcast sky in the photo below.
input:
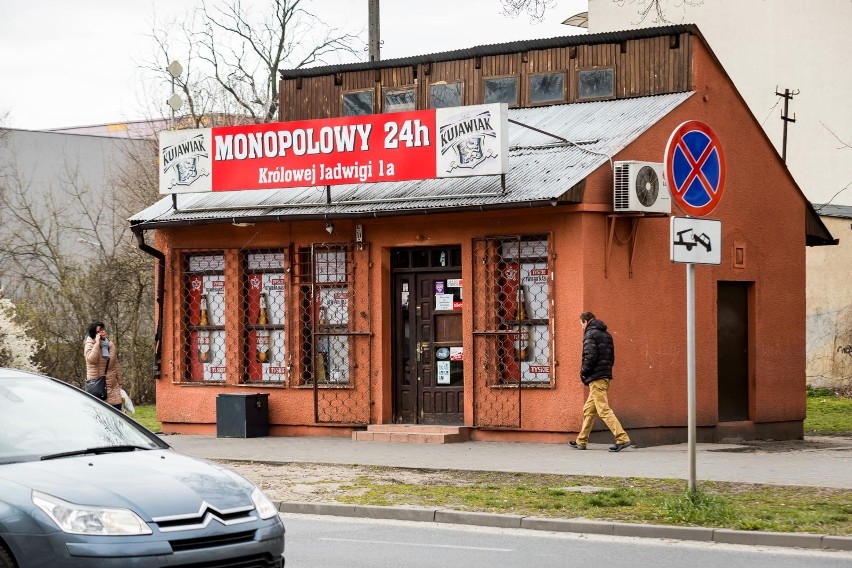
(75, 63)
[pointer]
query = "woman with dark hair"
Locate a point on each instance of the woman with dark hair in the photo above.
(102, 360)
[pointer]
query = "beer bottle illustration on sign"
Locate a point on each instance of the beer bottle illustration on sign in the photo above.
(262, 354)
(203, 336)
(202, 308)
(262, 319)
(203, 346)
(522, 303)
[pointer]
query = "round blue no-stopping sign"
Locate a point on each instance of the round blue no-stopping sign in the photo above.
(695, 168)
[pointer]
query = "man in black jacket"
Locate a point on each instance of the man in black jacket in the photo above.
(596, 373)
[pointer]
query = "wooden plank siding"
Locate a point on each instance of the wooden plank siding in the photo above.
(642, 67)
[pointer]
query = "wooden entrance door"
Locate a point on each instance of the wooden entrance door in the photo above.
(429, 377)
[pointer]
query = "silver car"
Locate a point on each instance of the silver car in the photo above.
(83, 485)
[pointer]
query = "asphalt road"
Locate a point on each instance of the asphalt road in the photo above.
(322, 541)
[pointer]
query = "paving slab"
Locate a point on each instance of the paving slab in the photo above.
(820, 466)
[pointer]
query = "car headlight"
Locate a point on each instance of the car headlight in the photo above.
(265, 508)
(79, 519)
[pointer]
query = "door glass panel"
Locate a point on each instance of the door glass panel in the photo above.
(440, 257)
(419, 259)
(406, 335)
(450, 366)
(400, 259)
(455, 257)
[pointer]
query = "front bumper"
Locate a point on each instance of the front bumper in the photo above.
(260, 544)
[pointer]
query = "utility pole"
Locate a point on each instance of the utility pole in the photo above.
(785, 116)
(374, 42)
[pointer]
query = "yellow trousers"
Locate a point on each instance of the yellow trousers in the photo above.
(598, 405)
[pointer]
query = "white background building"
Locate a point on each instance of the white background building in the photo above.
(769, 45)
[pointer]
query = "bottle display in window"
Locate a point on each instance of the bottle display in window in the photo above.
(203, 348)
(262, 318)
(203, 318)
(262, 354)
(265, 315)
(206, 317)
(522, 303)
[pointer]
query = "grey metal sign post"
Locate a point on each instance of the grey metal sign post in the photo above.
(693, 241)
(695, 169)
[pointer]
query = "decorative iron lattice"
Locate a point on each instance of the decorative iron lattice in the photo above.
(512, 328)
(266, 295)
(303, 322)
(334, 330)
(204, 316)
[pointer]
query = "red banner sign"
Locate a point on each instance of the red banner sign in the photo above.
(389, 147)
(449, 142)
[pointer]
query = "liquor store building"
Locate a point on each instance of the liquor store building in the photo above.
(430, 300)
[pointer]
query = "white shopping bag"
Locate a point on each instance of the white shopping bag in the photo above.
(128, 404)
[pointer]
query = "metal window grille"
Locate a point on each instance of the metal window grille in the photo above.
(333, 329)
(512, 325)
(204, 316)
(266, 296)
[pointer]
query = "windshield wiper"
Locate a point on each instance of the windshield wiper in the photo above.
(98, 450)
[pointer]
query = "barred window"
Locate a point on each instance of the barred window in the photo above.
(204, 316)
(265, 298)
(325, 287)
(512, 309)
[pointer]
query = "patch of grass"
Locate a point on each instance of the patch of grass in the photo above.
(698, 508)
(621, 497)
(637, 500)
(828, 414)
(146, 415)
(811, 392)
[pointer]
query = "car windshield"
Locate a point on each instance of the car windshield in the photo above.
(41, 417)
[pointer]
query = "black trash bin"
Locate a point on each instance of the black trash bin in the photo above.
(242, 415)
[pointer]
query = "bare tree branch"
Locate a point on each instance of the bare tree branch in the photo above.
(536, 9)
(66, 256)
(232, 55)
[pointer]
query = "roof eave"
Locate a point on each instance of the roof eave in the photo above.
(492, 50)
(322, 215)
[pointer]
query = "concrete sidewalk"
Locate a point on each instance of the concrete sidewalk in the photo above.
(817, 462)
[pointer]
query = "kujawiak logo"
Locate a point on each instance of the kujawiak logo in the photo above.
(182, 158)
(470, 138)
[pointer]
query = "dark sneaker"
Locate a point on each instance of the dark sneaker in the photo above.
(576, 446)
(619, 447)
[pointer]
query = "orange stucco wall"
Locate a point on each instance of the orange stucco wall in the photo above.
(762, 211)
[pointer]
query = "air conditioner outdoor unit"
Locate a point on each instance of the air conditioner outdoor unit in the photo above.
(640, 187)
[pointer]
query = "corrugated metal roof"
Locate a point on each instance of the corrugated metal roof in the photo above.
(542, 169)
(844, 211)
(494, 49)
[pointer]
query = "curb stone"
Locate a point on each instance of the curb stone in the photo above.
(585, 526)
